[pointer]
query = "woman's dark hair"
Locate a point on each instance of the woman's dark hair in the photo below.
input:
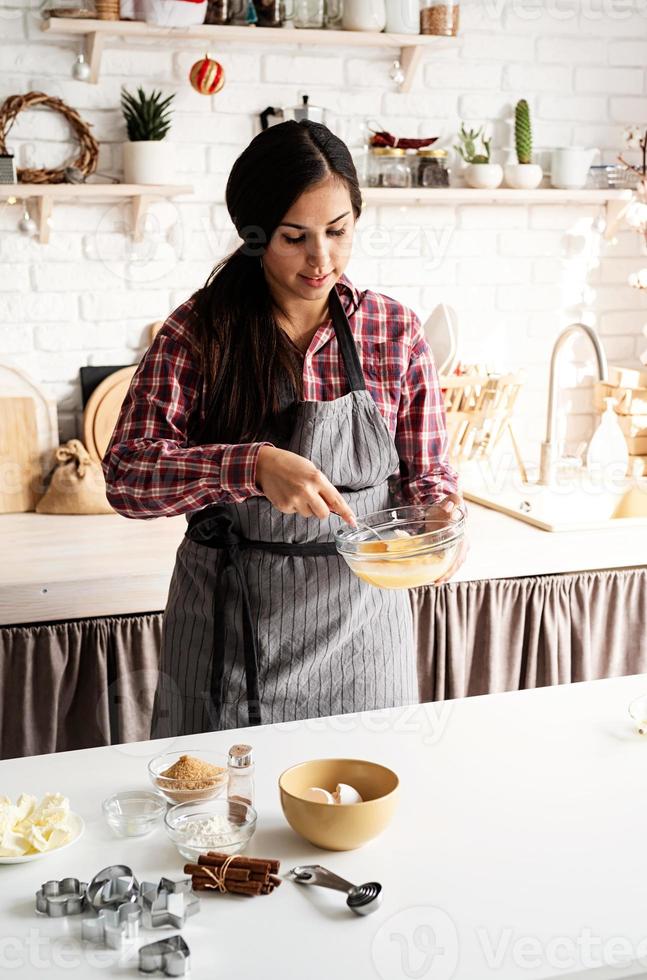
(246, 358)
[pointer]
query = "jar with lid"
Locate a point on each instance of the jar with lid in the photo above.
(439, 17)
(308, 13)
(388, 167)
(432, 170)
(240, 764)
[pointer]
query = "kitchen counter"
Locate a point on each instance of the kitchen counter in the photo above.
(514, 853)
(59, 567)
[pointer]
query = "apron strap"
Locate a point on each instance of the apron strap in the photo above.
(347, 345)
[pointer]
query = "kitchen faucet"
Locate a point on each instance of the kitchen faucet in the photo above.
(547, 460)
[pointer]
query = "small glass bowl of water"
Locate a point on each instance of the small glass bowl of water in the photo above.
(133, 813)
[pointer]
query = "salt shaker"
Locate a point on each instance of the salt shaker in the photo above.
(241, 774)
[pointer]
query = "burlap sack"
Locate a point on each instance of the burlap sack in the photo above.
(76, 484)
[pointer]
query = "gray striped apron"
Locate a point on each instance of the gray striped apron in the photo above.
(265, 622)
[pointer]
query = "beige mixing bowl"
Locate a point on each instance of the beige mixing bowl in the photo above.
(339, 827)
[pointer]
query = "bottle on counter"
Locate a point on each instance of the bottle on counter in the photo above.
(240, 763)
(608, 447)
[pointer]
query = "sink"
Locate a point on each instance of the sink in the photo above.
(571, 506)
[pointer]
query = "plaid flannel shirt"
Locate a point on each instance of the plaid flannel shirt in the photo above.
(153, 468)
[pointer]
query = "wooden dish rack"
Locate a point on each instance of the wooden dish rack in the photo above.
(479, 408)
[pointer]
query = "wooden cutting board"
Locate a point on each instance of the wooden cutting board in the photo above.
(102, 411)
(20, 473)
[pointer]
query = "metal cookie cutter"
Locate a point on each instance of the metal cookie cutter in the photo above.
(362, 899)
(171, 956)
(112, 927)
(169, 903)
(112, 887)
(64, 897)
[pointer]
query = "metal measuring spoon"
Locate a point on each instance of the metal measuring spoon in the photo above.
(362, 899)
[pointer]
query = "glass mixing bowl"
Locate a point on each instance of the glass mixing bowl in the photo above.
(403, 547)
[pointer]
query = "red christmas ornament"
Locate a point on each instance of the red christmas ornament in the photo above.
(207, 76)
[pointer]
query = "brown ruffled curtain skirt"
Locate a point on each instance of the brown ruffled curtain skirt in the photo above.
(91, 682)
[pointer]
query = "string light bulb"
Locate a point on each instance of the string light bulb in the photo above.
(80, 69)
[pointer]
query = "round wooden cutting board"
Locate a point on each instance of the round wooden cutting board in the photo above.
(102, 410)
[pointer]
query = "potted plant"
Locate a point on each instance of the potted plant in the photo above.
(148, 157)
(479, 173)
(523, 175)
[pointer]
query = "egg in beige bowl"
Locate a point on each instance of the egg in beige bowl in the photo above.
(340, 827)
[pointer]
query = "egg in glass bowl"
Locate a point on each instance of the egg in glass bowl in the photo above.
(403, 547)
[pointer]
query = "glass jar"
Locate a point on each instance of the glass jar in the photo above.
(309, 13)
(70, 8)
(432, 169)
(271, 13)
(439, 17)
(388, 167)
(240, 764)
(217, 12)
(333, 13)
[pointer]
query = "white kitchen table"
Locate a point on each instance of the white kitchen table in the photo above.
(517, 851)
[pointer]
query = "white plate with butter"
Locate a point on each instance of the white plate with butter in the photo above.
(76, 826)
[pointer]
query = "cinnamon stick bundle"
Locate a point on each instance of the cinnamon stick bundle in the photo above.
(216, 859)
(243, 876)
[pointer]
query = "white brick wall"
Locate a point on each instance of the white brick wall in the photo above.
(515, 274)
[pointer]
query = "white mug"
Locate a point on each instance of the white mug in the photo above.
(570, 166)
(402, 17)
(364, 15)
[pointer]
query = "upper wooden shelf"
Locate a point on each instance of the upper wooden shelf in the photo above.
(45, 196)
(98, 32)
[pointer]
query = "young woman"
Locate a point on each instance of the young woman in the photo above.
(273, 404)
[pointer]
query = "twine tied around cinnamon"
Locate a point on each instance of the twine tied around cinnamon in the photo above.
(219, 874)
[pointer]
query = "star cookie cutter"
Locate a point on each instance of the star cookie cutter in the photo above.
(169, 903)
(64, 897)
(113, 927)
(111, 887)
(170, 956)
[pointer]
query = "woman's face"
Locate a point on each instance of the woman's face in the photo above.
(311, 247)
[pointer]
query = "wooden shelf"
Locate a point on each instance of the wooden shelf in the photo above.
(98, 32)
(45, 196)
(614, 201)
(500, 195)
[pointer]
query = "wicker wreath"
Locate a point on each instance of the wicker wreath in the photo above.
(86, 161)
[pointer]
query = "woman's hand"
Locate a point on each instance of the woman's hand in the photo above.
(294, 485)
(446, 508)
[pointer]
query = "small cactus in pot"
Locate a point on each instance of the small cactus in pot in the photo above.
(480, 172)
(523, 175)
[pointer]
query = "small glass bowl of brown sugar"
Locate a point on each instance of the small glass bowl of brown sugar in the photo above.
(182, 777)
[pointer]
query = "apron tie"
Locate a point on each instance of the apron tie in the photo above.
(218, 532)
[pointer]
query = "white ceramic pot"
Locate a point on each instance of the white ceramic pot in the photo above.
(570, 166)
(149, 162)
(402, 17)
(364, 15)
(484, 176)
(523, 176)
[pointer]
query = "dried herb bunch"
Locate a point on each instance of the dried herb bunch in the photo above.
(148, 117)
